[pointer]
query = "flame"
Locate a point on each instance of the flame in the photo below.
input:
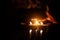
(50, 18)
(35, 22)
(30, 23)
(41, 23)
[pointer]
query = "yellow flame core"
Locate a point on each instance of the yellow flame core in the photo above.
(35, 22)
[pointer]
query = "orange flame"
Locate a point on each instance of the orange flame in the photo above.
(49, 17)
(35, 22)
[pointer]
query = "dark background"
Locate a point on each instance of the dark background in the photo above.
(16, 33)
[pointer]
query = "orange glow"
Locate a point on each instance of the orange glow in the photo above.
(42, 23)
(36, 22)
(50, 18)
(30, 23)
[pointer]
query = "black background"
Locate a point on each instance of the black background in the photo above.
(10, 13)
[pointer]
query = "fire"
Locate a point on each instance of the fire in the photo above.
(30, 23)
(42, 23)
(50, 18)
(35, 22)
